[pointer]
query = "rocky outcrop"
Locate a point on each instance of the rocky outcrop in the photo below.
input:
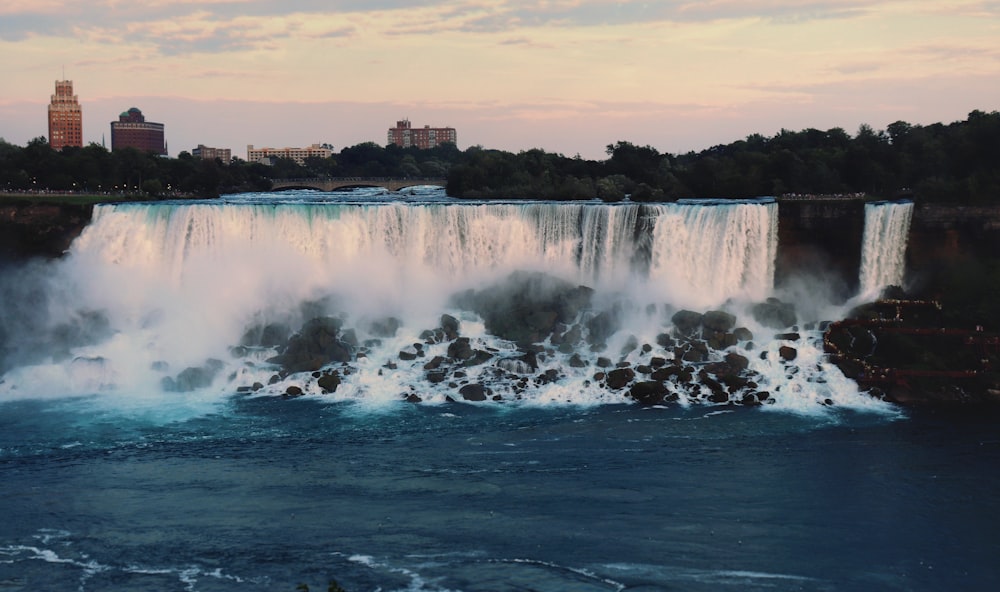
(40, 230)
(900, 351)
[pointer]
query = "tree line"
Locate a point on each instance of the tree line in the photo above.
(945, 163)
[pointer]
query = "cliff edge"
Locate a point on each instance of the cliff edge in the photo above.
(30, 230)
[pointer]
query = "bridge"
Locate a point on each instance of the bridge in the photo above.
(334, 183)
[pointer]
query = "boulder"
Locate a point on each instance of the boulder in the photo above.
(386, 327)
(651, 392)
(718, 320)
(619, 378)
(314, 346)
(474, 392)
(774, 314)
(686, 322)
(328, 381)
(527, 306)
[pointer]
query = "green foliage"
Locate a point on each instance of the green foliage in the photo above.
(955, 163)
(958, 163)
(128, 173)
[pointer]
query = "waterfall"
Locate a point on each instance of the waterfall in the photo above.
(695, 255)
(883, 250)
(176, 297)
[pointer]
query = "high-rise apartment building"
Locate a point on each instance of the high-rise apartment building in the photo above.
(207, 153)
(65, 117)
(422, 137)
(133, 131)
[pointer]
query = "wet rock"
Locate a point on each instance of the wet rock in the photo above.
(293, 391)
(386, 327)
(449, 325)
(314, 346)
(742, 334)
(665, 341)
(268, 335)
(651, 392)
(437, 376)
(718, 320)
(788, 353)
(619, 378)
(435, 363)
(774, 314)
(526, 306)
(575, 361)
(686, 322)
(602, 326)
(474, 392)
(329, 382)
(193, 378)
(460, 349)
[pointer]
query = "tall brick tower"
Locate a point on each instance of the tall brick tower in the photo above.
(65, 117)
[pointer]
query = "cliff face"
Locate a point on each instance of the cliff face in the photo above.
(40, 230)
(940, 234)
(821, 237)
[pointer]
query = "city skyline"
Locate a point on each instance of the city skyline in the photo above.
(565, 76)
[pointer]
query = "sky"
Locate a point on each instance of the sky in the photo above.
(566, 76)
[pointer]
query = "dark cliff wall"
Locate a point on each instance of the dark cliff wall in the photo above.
(820, 238)
(940, 234)
(40, 230)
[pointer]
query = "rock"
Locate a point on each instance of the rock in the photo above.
(788, 353)
(386, 327)
(651, 392)
(718, 320)
(449, 325)
(314, 346)
(293, 391)
(526, 306)
(329, 382)
(474, 392)
(774, 314)
(460, 349)
(602, 326)
(631, 344)
(742, 334)
(665, 341)
(193, 378)
(619, 378)
(575, 361)
(269, 335)
(686, 322)
(435, 363)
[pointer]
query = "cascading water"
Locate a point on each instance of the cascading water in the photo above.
(883, 251)
(163, 296)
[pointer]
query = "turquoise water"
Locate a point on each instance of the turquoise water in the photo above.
(265, 494)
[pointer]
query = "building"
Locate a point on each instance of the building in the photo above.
(65, 117)
(203, 151)
(299, 155)
(422, 137)
(133, 131)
